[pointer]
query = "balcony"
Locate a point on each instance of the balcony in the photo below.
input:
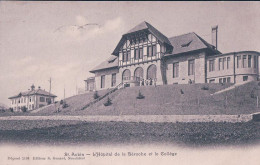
(145, 59)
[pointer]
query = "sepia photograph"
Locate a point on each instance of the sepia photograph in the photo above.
(130, 82)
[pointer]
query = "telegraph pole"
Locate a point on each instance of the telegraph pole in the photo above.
(50, 86)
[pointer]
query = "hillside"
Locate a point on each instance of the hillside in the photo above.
(195, 99)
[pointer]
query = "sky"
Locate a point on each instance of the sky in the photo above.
(39, 40)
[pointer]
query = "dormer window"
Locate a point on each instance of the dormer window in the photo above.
(186, 44)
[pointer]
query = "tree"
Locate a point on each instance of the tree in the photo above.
(96, 95)
(108, 102)
(24, 109)
(140, 95)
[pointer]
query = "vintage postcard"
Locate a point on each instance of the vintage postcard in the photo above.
(129, 83)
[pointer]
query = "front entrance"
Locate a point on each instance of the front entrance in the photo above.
(138, 74)
(151, 75)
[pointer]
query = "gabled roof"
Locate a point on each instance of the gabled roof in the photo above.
(111, 62)
(140, 27)
(33, 92)
(189, 42)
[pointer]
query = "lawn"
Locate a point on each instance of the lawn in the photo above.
(72, 132)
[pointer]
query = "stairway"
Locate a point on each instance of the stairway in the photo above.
(231, 87)
(119, 86)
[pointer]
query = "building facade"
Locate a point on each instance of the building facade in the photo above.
(31, 99)
(144, 56)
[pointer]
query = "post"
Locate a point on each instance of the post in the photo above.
(257, 102)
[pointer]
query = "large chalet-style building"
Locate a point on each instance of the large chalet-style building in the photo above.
(145, 56)
(31, 99)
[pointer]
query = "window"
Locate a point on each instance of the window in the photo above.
(140, 53)
(223, 64)
(191, 67)
(124, 57)
(255, 61)
(211, 65)
(249, 61)
(42, 99)
(224, 80)
(244, 61)
(103, 81)
(136, 54)
(212, 81)
(149, 51)
(175, 69)
(228, 80)
(154, 50)
(113, 81)
(220, 80)
(48, 100)
(219, 63)
(238, 61)
(30, 99)
(128, 55)
(228, 62)
(245, 78)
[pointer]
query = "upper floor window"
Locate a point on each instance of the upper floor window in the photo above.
(211, 65)
(138, 53)
(220, 63)
(175, 69)
(154, 50)
(223, 64)
(149, 51)
(244, 61)
(228, 62)
(191, 67)
(238, 61)
(255, 61)
(103, 81)
(42, 99)
(249, 61)
(126, 56)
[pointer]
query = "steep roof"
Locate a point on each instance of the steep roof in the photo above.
(33, 92)
(189, 42)
(111, 62)
(143, 26)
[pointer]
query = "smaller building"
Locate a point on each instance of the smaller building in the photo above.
(31, 99)
(90, 84)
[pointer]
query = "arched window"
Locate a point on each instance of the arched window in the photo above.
(151, 72)
(139, 73)
(126, 75)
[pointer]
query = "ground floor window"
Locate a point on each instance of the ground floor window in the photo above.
(42, 99)
(212, 81)
(220, 80)
(113, 81)
(191, 67)
(228, 80)
(175, 69)
(245, 78)
(103, 81)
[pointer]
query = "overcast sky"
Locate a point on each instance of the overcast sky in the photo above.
(38, 39)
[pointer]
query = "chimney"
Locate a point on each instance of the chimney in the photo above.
(32, 87)
(214, 36)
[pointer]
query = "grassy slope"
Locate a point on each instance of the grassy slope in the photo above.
(165, 100)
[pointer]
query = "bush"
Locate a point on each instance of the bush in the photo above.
(140, 95)
(2, 110)
(108, 103)
(96, 95)
(24, 109)
(61, 102)
(11, 109)
(65, 105)
(205, 88)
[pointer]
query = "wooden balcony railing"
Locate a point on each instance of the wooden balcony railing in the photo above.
(141, 60)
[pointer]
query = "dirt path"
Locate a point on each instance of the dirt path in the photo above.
(141, 118)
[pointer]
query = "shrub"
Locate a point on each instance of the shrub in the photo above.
(108, 102)
(61, 102)
(65, 105)
(205, 88)
(2, 110)
(24, 109)
(140, 95)
(96, 95)
(11, 109)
